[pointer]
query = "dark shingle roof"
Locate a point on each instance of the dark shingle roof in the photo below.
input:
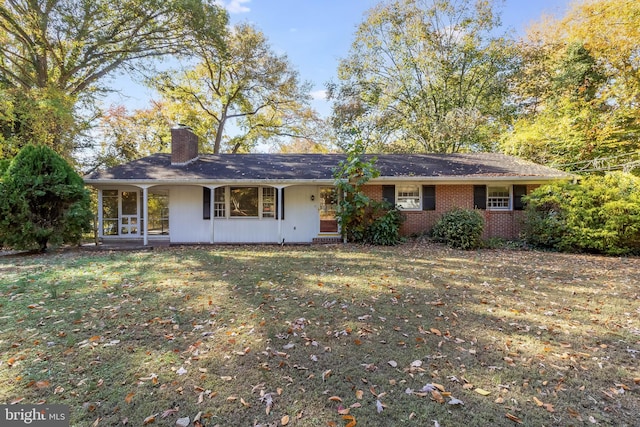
(303, 167)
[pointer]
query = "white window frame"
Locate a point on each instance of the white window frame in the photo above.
(500, 202)
(222, 209)
(403, 201)
(267, 198)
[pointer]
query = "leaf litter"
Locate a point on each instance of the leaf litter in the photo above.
(426, 329)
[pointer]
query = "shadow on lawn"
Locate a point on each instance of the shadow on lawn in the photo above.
(304, 324)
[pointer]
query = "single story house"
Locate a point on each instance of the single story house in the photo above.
(184, 197)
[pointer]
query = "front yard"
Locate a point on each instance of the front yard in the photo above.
(415, 335)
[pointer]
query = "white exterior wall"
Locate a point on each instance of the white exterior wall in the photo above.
(301, 221)
(185, 216)
(301, 216)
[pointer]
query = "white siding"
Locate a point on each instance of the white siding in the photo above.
(300, 225)
(301, 217)
(185, 216)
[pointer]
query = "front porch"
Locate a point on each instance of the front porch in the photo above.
(191, 214)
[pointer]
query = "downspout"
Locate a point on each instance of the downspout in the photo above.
(343, 231)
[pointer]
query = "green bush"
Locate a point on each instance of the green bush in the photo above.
(42, 201)
(385, 228)
(601, 214)
(460, 228)
(361, 219)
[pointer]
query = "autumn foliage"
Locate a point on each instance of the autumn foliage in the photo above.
(599, 214)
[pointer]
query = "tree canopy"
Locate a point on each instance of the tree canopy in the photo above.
(55, 54)
(425, 76)
(578, 89)
(241, 84)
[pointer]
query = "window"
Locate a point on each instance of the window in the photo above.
(244, 201)
(110, 212)
(498, 198)
(268, 202)
(219, 205)
(408, 197)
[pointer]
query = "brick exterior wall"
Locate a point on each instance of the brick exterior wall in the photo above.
(184, 145)
(504, 224)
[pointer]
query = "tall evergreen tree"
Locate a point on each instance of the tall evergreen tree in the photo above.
(42, 201)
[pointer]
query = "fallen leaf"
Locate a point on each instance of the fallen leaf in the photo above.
(455, 401)
(149, 419)
(393, 363)
(129, 397)
(438, 386)
(169, 412)
(351, 419)
(284, 420)
(379, 406)
(513, 418)
(482, 392)
(343, 411)
(435, 394)
(537, 401)
(335, 399)
(359, 394)
(41, 384)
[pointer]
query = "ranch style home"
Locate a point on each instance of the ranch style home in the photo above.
(185, 197)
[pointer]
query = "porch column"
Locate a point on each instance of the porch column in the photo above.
(279, 208)
(211, 213)
(100, 214)
(145, 214)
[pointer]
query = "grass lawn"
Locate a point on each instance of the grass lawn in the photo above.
(416, 335)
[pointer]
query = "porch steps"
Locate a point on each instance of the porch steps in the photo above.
(325, 240)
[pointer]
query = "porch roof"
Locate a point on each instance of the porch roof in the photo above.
(319, 167)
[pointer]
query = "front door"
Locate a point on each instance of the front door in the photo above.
(328, 203)
(129, 220)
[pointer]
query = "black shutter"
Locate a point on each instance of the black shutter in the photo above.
(206, 203)
(480, 197)
(389, 194)
(518, 192)
(277, 207)
(428, 197)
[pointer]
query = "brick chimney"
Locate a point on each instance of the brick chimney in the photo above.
(184, 145)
